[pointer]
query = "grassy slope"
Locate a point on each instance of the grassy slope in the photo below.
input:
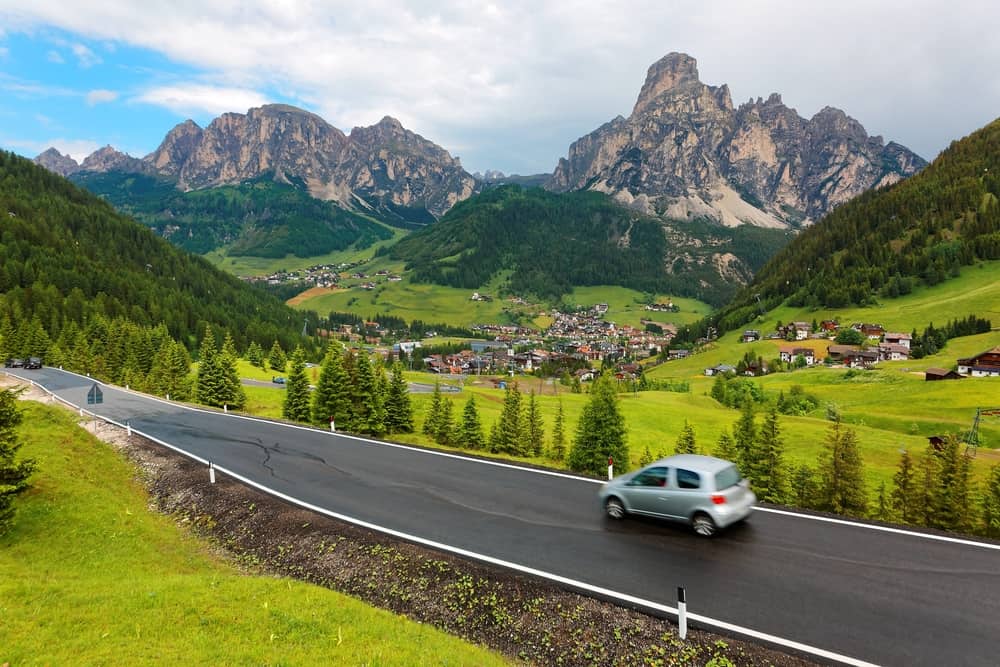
(91, 576)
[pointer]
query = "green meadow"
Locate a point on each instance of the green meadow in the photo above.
(92, 576)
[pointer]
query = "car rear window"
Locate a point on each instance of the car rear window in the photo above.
(688, 479)
(727, 477)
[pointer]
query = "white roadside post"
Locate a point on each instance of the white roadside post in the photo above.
(611, 467)
(211, 472)
(333, 426)
(128, 429)
(225, 408)
(682, 621)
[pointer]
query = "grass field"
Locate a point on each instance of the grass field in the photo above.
(263, 266)
(91, 576)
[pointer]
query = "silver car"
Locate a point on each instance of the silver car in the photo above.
(706, 492)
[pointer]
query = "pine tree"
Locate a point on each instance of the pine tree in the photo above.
(600, 433)
(685, 440)
(432, 422)
(745, 436)
(534, 426)
(296, 406)
(255, 354)
(377, 414)
(510, 428)
(991, 504)
(276, 358)
(446, 423)
(398, 412)
(363, 394)
(471, 433)
(14, 474)
(952, 507)
(767, 471)
(558, 451)
(233, 394)
(842, 483)
(923, 499)
(210, 383)
(332, 398)
(805, 490)
(646, 457)
(725, 448)
(883, 505)
(904, 486)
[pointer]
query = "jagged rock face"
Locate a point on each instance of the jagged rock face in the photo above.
(686, 152)
(384, 163)
(109, 159)
(56, 162)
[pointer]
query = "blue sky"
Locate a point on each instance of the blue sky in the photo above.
(502, 85)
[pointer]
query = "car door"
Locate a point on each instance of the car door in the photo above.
(686, 492)
(644, 492)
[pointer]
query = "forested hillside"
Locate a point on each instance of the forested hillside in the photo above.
(259, 217)
(553, 242)
(66, 257)
(885, 242)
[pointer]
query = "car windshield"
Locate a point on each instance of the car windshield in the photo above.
(727, 477)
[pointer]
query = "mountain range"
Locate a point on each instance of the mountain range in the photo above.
(684, 152)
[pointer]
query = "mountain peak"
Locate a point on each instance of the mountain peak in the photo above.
(56, 162)
(673, 70)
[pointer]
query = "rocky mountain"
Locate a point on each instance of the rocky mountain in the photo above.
(384, 168)
(685, 152)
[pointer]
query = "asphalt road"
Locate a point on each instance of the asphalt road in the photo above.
(882, 597)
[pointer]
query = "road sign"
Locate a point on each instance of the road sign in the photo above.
(95, 395)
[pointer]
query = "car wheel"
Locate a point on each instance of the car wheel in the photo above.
(615, 508)
(703, 525)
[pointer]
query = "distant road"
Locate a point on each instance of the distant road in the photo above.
(885, 597)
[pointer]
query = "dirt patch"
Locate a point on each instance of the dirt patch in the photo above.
(310, 293)
(529, 620)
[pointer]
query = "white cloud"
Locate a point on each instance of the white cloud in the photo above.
(84, 56)
(198, 98)
(522, 79)
(54, 56)
(4, 52)
(100, 96)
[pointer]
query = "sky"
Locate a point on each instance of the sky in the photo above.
(502, 85)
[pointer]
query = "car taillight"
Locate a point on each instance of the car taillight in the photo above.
(718, 500)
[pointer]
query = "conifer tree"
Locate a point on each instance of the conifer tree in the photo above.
(233, 394)
(446, 423)
(686, 441)
(991, 504)
(725, 448)
(902, 497)
(296, 406)
(432, 422)
(929, 475)
(14, 473)
(842, 483)
(952, 506)
(534, 426)
(255, 354)
(745, 437)
(510, 435)
(767, 470)
(805, 490)
(471, 432)
(210, 383)
(646, 457)
(276, 358)
(600, 433)
(332, 398)
(558, 451)
(363, 394)
(398, 412)
(377, 414)
(883, 504)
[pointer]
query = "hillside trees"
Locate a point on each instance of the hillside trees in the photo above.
(14, 472)
(332, 398)
(296, 405)
(398, 411)
(842, 487)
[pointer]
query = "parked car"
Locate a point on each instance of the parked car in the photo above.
(14, 363)
(278, 380)
(706, 492)
(33, 362)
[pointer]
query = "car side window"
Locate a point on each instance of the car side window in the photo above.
(651, 477)
(688, 479)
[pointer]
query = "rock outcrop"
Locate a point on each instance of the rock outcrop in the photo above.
(686, 152)
(383, 166)
(56, 162)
